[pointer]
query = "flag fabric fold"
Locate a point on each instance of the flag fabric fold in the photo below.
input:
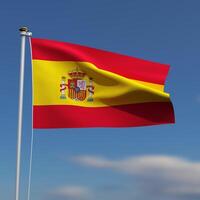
(78, 86)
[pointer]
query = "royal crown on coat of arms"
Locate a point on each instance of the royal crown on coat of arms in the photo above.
(78, 88)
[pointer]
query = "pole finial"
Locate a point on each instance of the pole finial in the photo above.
(23, 29)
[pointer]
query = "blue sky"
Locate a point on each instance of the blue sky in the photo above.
(160, 162)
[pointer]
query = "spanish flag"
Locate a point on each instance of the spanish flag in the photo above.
(76, 86)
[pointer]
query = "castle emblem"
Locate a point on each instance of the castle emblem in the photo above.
(78, 88)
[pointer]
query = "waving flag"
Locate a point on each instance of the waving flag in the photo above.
(78, 86)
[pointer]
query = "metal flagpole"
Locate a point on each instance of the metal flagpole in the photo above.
(24, 33)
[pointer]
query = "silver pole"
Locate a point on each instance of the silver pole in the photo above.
(23, 32)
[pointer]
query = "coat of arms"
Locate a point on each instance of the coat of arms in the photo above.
(78, 88)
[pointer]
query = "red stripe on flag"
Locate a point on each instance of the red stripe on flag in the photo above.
(65, 116)
(126, 66)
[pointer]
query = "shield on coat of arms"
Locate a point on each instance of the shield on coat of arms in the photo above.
(77, 89)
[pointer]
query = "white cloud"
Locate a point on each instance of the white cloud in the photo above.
(163, 175)
(93, 161)
(72, 192)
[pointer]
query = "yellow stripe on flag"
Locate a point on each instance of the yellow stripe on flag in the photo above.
(109, 88)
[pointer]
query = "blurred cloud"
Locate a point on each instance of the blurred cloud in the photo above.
(157, 176)
(70, 192)
(198, 98)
